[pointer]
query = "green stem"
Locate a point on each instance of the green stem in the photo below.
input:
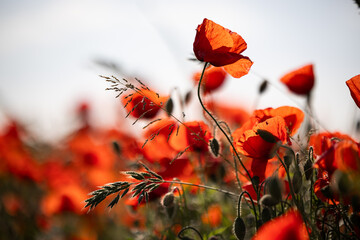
(221, 129)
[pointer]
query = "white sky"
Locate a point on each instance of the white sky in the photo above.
(48, 48)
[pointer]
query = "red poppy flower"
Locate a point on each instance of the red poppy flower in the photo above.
(300, 81)
(249, 143)
(288, 226)
(145, 104)
(221, 47)
(293, 116)
(280, 122)
(354, 87)
(328, 146)
(213, 78)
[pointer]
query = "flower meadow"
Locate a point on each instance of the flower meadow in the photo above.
(273, 173)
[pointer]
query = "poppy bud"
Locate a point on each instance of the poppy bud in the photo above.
(239, 228)
(263, 86)
(275, 188)
(341, 182)
(265, 215)
(168, 200)
(267, 136)
(187, 97)
(308, 169)
(289, 157)
(268, 201)
(214, 147)
(169, 106)
(297, 181)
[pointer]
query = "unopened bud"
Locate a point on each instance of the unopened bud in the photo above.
(308, 169)
(289, 157)
(341, 182)
(169, 106)
(268, 201)
(239, 228)
(275, 188)
(267, 136)
(214, 147)
(297, 181)
(168, 200)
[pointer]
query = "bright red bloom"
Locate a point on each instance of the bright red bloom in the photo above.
(280, 122)
(145, 104)
(300, 81)
(213, 78)
(328, 146)
(354, 87)
(221, 47)
(334, 151)
(293, 116)
(289, 226)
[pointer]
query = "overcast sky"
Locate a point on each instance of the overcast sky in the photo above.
(48, 51)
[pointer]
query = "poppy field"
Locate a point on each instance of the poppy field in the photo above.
(272, 173)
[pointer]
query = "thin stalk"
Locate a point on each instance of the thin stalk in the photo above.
(219, 126)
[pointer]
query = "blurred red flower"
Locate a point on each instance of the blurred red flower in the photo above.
(145, 103)
(195, 135)
(300, 81)
(213, 78)
(157, 136)
(221, 47)
(289, 226)
(354, 87)
(233, 115)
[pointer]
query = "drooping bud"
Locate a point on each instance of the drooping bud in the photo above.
(268, 201)
(275, 188)
(297, 181)
(239, 228)
(341, 182)
(267, 136)
(116, 147)
(308, 169)
(214, 147)
(168, 200)
(169, 106)
(265, 215)
(289, 157)
(263, 86)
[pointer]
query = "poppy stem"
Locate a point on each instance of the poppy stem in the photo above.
(252, 202)
(221, 129)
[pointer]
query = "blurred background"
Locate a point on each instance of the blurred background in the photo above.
(51, 53)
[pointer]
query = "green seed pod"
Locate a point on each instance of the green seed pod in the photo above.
(268, 201)
(239, 228)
